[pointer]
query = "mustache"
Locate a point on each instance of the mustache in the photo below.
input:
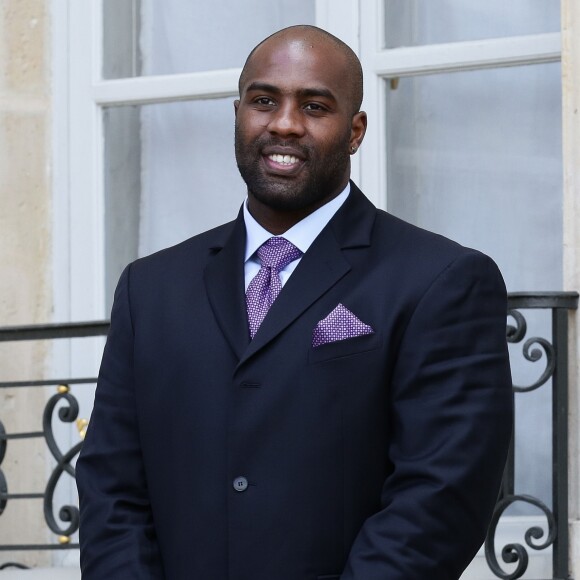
(292, 143)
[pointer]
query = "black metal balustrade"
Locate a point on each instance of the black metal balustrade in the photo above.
(68, 410)
(551, 352)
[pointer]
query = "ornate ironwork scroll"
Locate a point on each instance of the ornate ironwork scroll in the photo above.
(68, 413)
(515, 553)
(515, 335)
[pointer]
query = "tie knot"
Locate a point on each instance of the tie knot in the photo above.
(277, 253)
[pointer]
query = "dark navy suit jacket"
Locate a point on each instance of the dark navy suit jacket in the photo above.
(373, 458)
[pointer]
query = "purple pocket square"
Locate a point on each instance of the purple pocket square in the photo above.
(340, 324)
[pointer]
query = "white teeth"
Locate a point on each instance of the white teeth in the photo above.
(283, 159)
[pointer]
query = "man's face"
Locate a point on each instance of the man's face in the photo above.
(294, 125)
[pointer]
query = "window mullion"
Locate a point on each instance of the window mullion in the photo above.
(158, 89)
(471, 55)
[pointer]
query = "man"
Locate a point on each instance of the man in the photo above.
(334, 402)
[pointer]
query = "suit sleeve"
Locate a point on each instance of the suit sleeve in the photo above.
(117, 536)
(451, 415)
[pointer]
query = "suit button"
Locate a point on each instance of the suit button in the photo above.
(240, 484)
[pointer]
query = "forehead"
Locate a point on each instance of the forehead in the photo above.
(299, 63)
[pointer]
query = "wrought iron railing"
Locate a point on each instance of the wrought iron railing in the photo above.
(551, 352)
(67, 405)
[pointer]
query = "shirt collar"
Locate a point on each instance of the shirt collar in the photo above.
(301, 234)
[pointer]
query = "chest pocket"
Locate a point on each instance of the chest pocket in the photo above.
(344, 348)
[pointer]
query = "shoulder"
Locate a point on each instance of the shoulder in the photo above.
(421, 258)
(413, 256)
(414, 242)
(193, 252)
(395, 239)
(420, 245)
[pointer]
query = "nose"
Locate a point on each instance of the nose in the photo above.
(286, 121)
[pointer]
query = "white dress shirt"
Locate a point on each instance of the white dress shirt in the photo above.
(301, 235)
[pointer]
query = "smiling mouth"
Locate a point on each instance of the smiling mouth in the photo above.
(283, 164)
(283, 159)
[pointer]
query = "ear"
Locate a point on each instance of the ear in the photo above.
(236, 105)
(358, 129)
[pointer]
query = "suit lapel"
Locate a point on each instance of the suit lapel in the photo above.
(321, 267)
(224, 282)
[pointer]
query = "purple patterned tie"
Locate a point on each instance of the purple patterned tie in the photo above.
(275, 254)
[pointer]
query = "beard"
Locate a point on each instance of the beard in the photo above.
(321, 178)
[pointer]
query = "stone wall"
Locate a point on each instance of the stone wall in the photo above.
(25, 252)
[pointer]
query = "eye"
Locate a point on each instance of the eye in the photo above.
(265, 101)
(315, 107)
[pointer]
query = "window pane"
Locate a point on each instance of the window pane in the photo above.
(476, 156)
(121, 54)
(417, 22)
(170, 173)
(176, 36)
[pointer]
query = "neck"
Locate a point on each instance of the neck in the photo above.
(275, 222)
(278, 221)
